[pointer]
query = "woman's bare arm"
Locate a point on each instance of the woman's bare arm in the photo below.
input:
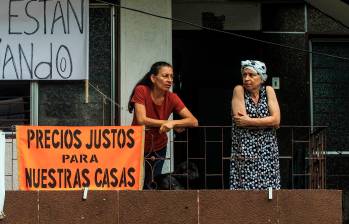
(188, 120)
(273, 120)
(238, 101)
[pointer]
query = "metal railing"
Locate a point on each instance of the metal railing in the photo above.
(202, 156)
(317, 160)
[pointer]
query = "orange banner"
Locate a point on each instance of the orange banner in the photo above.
(72, 158)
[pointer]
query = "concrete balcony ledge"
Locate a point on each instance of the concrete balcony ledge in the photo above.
(190, 206)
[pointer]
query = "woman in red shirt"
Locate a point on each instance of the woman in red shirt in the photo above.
(152, 103)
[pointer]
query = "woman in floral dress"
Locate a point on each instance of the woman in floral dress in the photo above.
(256, 115)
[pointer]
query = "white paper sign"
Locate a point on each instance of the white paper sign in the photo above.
(44, 39)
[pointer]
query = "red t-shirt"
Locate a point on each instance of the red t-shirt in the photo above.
(155, 141)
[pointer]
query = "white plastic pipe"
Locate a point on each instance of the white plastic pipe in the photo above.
(2, 174)
(270, 193)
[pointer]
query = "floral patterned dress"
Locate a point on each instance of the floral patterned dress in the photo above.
(255, 156)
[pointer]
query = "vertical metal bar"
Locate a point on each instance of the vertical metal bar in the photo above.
(205, 159)
(310, 162)
(324, 152)
(292, 156)
(34, 103)
(305, 18)
(86, 82)
(171, 155)
(320, 161)
(311, 85)
(323, 164)
(314, 168)
(103, 110)
(113, 63)
(306, 163)
(187, 146)
(222, 165)
(321, 174)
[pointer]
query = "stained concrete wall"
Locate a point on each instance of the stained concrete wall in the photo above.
(117, 207)
(63, 103)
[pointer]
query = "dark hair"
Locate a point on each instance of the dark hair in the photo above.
(146, 81)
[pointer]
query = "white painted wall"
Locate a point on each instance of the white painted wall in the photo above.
(144, 40)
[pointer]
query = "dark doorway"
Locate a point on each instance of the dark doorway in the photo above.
(207, 67)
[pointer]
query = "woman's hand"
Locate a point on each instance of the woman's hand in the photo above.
(242, 120)
(167, 126)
